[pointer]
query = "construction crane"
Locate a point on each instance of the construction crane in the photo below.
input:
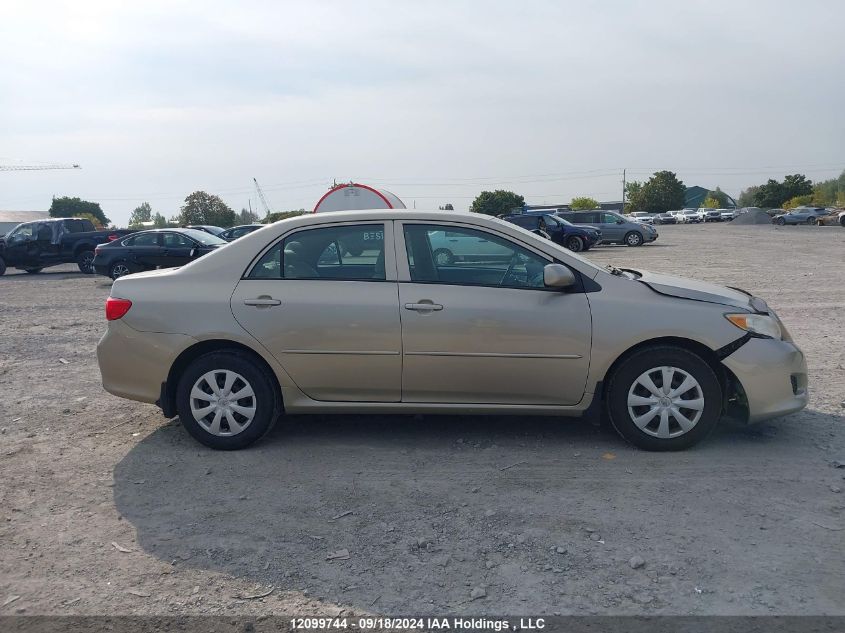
(38, 167)
(261, 197)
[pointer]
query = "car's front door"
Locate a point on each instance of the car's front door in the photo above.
(487, 331)
(144, 250)
(329, 317)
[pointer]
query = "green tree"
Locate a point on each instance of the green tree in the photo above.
(583, 203)
(774, 194)
(798, 201)
(720, 197)
(142, 213)
(497, 202)
(710, 203)
(66, 207)
(830, 192)
(205, 208)
(94, 220)
(247, 217)
(797, 185)
(748, 197)
(660, 193)
(281, 215)
(770, 195)
(159, 221)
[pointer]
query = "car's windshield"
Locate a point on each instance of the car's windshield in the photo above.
(206, 239)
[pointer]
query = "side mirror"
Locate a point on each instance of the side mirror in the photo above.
(558, 276)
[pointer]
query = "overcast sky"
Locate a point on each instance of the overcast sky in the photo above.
(434, 101)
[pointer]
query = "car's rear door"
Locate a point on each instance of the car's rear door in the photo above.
(176, 249)
(330, 318)
(487, 331)
(144, 250)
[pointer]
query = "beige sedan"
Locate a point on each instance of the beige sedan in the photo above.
(351, 312)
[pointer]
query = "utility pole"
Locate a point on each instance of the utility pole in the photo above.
(623, 191)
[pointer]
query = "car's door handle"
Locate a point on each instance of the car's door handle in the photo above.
(424, 307)
(262, 301)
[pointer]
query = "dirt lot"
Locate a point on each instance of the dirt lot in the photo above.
(107, 508)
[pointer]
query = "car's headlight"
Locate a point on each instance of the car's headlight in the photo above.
(756, 324)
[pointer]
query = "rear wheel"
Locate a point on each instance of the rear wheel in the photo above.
(443, 257)
(34, 271)
(85, 261)
(634, 238)
(225, 400)
(780, 221)
(2, 267)
(664, 398)
(812, 220)
(575, 244)
(119, 269)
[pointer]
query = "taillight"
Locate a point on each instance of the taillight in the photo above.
(117, 308)
(113, 237)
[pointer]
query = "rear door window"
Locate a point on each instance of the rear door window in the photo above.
(351, 253)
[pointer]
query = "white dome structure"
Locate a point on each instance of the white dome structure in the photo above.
(352, 196)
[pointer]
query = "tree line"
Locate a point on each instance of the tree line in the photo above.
(664, 191)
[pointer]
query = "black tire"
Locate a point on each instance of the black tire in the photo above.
(34, 271)
(575, 244)
(119, 269)
(444, 257)
(252, 373)
(85, 261)
(633, 238)
(812, 220)
(780, 221)
(2, 267)
(627, 374)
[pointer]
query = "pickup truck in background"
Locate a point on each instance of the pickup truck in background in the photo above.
(33, 246)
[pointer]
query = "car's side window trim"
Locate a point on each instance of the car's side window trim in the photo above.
(404, 269)
(389, 252)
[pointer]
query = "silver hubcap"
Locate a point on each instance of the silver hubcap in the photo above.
(633, 239)
(119, 270)
(222, 402)
(665, 402)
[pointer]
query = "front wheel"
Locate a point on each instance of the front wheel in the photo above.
(664, 398)
(226, 401)
(575, 244)
(85, 261)
(634, 238)
(780, 221)
(812, 220)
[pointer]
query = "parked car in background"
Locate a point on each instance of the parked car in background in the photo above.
(575, 238)
(148, 250)
(801, 215)
(679, 216)
(691, 216)
(235, 232)
(33, 246)
(642, 216)
(728, 214)
(710, 215)
(275, 324)
(834, 217)
(207, 228)
(665, 218)
(615, 228)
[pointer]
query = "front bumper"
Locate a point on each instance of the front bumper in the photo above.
(773, 375)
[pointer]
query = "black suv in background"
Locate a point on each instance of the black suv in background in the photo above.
(33, 246)
(575, 238)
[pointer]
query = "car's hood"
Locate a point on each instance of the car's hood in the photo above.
(698, 290)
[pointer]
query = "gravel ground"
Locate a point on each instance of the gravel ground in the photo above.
(106, 508)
